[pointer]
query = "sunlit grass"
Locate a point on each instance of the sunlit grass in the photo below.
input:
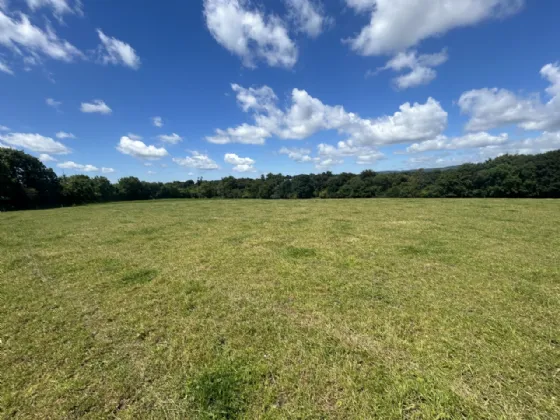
(282, 309)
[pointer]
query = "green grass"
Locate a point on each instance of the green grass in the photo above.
(384, 309)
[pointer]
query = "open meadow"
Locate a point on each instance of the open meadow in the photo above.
(380, 308)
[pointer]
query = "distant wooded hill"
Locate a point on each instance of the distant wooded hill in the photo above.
(26, 183)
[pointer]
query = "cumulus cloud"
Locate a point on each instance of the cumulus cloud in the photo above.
(491, 108)
(397, 25)
(22, 37)
(197, 161)
(137, 148)
(107, 170)
(468, 141)
(240, 164)
(44, 157)
(249, 33)
(307, 16)
(308, 115)
(97, 106)
(421, 68)
(114, 51)
(364, 154)
(53, 104)
(170, 138)
(4, 128)
(5, 68)
(157, 122)
(65, 135)
(35, 142)
(298, 154)
(78, 167)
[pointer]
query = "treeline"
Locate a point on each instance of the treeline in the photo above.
(26, 183)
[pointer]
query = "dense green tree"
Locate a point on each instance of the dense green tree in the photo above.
(25, 182)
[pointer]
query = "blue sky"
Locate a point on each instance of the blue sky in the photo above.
(293, 86)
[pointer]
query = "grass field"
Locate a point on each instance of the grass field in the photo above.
(282, 309)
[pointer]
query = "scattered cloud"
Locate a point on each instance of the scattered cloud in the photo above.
(298, 155)
(35, 142)
(4, 128)
(148, 164)
(240, 164)
(491, 108)
(245, 134)
(44, 157)
(64, 135)
(96, 106)
(250, 34)
(421, 68)
(151, 173)
(137, 148)
(60, 7)
(53, 104)
(308, 16)
(22, 37)
(170, 138)
(308, 115)
(364, 154)
(107, 170)
(114, 51)
(5, 68)
(78, 167)
(157, 122)
(397, 25)
(197, 161)
(468, 141)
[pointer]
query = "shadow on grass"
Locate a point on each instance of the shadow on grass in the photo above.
(139, 277)
(223, 390)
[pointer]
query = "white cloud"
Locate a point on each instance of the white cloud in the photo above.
(240, 164)
(139, 149)
(157, 122)
(78, 167)
(114, 51)
(96, 106)
(490, 108)
(298, 155)
(52, 103)
(396, 25)
(421, 68)
(60, 7)
(245, 134)
(170, 138)
(151, 173)
(198, 161)
(328, 163)
(4, 128)
(546, 142)
(308, 16)
(250, 34)
(364, 154)
(44, 157)
(107, 170)
(64, 135)
(5, 68)
(307, 116)
(20, 35)
(35, 142)
(468, 141)
(148, 164)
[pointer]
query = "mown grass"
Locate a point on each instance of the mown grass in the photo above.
(282, 309)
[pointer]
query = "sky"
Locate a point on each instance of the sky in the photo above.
(176, 90)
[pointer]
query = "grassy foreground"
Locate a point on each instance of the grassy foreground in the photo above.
(282, 309)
